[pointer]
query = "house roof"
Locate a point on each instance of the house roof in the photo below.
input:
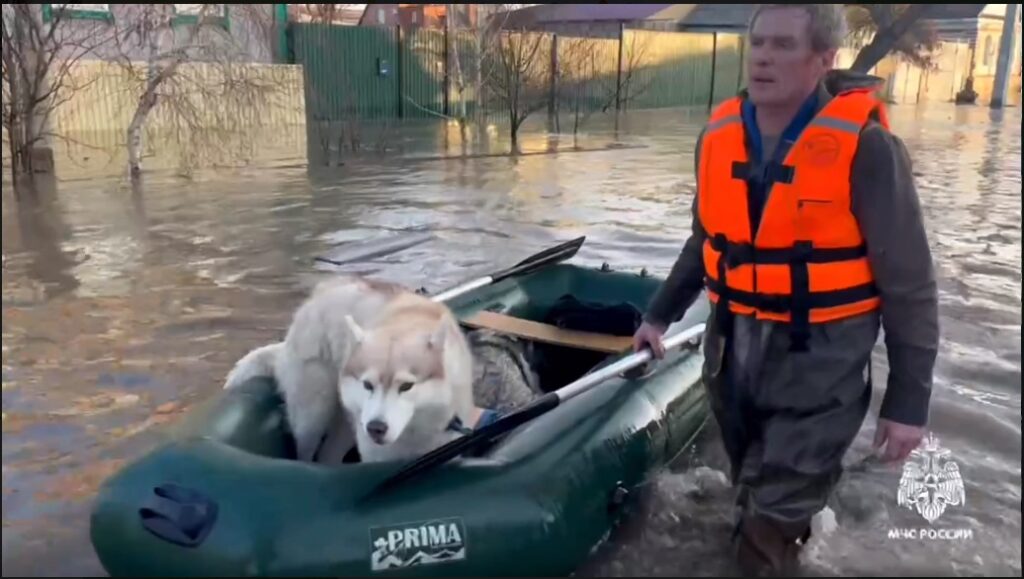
(687, 15)
(955, 11)
(548, 13)
(738, 15)
(718, 15)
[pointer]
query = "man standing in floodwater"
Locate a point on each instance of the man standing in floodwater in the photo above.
(807, 232)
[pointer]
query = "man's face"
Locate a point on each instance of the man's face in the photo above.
(783, 67)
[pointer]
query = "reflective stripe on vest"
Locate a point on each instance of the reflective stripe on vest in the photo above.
(806, 263)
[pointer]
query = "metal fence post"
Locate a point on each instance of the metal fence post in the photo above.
(447, 84)
(553, 96)
(399, 65)
(618, 74)
(714, 63)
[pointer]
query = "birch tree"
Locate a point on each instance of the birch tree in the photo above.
(203, 108)
(40, 54)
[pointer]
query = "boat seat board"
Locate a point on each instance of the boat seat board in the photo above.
(547, 333)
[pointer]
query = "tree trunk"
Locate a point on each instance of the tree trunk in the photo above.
(26, 78)
(478, 79)
(514, 130)
(887, 37)
(135, 144)
(454, 61)
(19, 156)
(576, 116)
(146, 103)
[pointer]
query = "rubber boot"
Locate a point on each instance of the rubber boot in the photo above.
(766, 549)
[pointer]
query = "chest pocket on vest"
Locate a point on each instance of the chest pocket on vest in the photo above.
(814, 214)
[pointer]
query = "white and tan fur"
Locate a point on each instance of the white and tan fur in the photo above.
(410, 374)
(352, 330)
(307, 362)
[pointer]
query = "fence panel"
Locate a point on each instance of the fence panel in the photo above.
(587, 74)
(350, 71)
(423, 70)
(728, 66)
(668, 68)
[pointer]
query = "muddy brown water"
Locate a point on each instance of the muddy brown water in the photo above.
(122, 310)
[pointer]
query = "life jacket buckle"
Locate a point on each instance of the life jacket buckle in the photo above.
(802, 251)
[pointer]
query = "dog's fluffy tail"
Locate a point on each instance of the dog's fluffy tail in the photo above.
(257, 363)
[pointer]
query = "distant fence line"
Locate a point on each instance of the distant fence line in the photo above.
(350, 74)
(201, 120)
(391, 73)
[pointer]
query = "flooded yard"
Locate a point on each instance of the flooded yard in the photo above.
(122, 309)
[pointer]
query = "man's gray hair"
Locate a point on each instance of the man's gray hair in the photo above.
(827, 27)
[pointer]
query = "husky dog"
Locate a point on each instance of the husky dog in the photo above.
(410, 378)
(376, 365)
(318, 345)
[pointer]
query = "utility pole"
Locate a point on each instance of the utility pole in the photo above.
(1007, 46)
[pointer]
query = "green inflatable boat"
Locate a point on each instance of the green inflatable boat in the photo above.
(531, 494)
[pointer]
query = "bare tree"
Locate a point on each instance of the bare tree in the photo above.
(40, 54)
(588, 85)
(898, 28)
(518, 75)
(203, 108)
(581, 86)
(492, 63)
(471, 58)
(632, 83)
(464, 57)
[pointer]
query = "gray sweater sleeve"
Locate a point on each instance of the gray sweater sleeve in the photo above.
(885, 202)
(686, 279)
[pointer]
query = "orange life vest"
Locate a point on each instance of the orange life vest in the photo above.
(806, 263)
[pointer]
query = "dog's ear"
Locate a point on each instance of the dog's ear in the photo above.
(437, 338)
(358, 335)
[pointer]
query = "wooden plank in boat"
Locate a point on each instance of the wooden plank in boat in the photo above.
(548, 333)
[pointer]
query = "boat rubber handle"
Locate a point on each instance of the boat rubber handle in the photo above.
(179, 515)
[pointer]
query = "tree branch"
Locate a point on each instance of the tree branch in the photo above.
(890, 31)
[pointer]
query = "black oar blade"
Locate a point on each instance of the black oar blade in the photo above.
(374, 248)
(463, 444)
(560, 252)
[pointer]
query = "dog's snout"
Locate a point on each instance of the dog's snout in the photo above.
(377, 429)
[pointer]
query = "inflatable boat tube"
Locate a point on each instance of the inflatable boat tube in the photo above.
(224, 497)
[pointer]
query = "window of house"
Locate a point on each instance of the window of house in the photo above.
(189, 14)
(194, 9)
(381, 17)
(414, 17)
(93, 11)
(83, 7)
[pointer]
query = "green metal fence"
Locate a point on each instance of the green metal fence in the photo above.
(672, 69)
(424, 53)
(349, 71)
(388, 73)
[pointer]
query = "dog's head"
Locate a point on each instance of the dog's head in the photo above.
(398, 378)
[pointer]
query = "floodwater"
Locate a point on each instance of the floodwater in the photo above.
(122, 309)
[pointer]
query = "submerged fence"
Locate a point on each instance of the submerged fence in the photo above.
(355, 81)
(392, 73)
